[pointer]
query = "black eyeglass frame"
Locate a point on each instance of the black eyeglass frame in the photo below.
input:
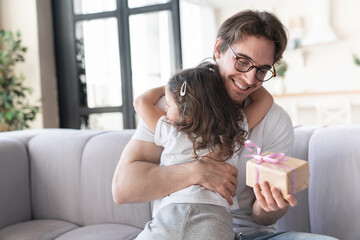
(237, 58)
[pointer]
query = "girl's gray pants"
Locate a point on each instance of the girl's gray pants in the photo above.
(189, 221)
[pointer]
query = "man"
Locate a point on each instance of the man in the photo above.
(248, 45)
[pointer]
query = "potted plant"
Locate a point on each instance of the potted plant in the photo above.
(15, 110)
(356, 60)
(281, 69)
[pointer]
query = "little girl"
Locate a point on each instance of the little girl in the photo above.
(200, 121)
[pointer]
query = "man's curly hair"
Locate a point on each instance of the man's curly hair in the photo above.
(208, 116)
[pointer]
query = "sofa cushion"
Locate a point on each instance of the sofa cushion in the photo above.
(14, 183)
(334, 193)
(36, 230)
(103, 232)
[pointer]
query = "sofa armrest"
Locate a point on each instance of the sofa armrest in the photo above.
(334, 158)
(15, 203)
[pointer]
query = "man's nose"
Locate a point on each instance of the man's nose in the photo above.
(250, 78)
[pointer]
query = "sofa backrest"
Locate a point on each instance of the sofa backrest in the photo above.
(71, 174)
(334, 192)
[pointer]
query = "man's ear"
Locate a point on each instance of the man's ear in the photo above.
(217, 48)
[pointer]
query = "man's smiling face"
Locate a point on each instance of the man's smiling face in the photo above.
(240, 85)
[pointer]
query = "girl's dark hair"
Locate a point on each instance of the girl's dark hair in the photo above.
(254, 23)
(208, 116)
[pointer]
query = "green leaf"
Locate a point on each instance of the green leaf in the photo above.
(281, 68)
(19, 93)
(16, 112)
(9, 116)
(356, 60)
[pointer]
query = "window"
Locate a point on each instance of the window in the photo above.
(107, 53)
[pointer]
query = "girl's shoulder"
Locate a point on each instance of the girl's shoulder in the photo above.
(167, 132)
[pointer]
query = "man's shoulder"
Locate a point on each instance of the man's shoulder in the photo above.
(278, 115)
(275, 113)
(143, 133)
(277, 130)
(275, 108)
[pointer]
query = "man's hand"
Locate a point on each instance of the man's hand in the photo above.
(216, 176)
(271, 199)
(270, 205)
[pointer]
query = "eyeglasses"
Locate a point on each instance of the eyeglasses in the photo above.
(244, 64)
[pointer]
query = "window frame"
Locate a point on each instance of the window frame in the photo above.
(72, 109)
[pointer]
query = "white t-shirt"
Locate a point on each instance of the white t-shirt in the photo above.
(274, 133)
(179, 149)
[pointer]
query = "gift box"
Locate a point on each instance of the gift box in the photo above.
(288, 174)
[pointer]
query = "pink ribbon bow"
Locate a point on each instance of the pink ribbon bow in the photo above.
(274, 158)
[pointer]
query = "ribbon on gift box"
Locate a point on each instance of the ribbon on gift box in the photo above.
(273, 158)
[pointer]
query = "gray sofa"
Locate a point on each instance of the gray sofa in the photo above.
(56, 184)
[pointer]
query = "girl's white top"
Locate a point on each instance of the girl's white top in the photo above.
(179, 149)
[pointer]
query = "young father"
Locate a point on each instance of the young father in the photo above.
(248, 44)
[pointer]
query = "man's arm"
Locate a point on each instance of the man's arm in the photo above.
(138, 176)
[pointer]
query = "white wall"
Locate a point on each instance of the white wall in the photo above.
(48, 78)
(33, 19)
(317, 72)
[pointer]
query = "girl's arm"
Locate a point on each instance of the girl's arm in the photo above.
(261, 102)
(145, 106)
